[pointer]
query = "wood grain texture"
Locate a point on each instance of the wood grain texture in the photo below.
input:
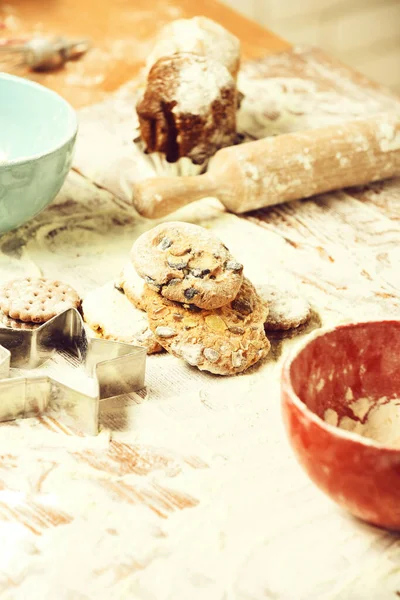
(275, 170)
(122, 34)
(191, 489)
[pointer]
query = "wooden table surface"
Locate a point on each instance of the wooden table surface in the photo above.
(191, 491)
(121, 32)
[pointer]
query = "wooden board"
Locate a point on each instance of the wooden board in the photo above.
(122, 35)
(191, 489)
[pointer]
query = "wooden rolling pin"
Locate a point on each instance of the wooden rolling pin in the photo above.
(283, 168)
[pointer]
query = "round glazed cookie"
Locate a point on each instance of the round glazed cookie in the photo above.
(110, 314)
(186, 263)
(202, 36)
(224, 341)
(188, 108)
(286, 309)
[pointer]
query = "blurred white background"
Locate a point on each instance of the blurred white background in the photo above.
(363, 33)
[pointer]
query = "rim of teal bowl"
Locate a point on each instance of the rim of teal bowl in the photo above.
(66, 140)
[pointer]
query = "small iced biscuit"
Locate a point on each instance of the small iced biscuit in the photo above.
(35, 299)
(286, 310)
(188, 264)
(132, 285)
(188, 108)
(110, 314)
(201, 36)
(224, 341)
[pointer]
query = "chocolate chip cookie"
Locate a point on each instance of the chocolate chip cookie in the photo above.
(188, 264)
(225, 341)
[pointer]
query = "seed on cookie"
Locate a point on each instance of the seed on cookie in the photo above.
(237, 358)
(200, 272)
(191, 353)
(165, 332)
(165, 243)
(173, 281)
(178, 262)
(236, 329)
(242, 305)
(215, 323)
(286, 309)
(211, 355)
(152, 283)
(190, 293)
(36, 299)
(234, 266)
(211, 339)
(188, 264)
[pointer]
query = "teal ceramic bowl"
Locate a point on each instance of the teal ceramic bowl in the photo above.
(37, 137)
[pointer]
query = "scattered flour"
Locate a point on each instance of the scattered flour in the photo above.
(390, 138)
(377, 420)
(200, 83)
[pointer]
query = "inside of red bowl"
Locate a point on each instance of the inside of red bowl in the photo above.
(350, 377)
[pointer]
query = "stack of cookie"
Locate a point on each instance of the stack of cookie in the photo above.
(185, 293)
(199, 305)
(28, 302)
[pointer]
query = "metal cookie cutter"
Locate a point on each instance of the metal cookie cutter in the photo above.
(68, 373)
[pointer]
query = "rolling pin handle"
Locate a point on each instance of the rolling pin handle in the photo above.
(160, 196)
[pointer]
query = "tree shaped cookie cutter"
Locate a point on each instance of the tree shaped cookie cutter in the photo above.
(102, 368)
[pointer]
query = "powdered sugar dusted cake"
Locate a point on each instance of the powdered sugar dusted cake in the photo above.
(188, 108)
(201, 36)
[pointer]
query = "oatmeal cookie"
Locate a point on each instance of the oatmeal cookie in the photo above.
(186, 263)
(224, 341)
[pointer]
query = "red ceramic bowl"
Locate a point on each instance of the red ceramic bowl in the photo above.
(361, 475)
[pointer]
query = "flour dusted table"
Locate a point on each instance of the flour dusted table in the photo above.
(191, 490)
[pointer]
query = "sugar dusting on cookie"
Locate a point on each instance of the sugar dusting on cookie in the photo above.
(286, 308)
